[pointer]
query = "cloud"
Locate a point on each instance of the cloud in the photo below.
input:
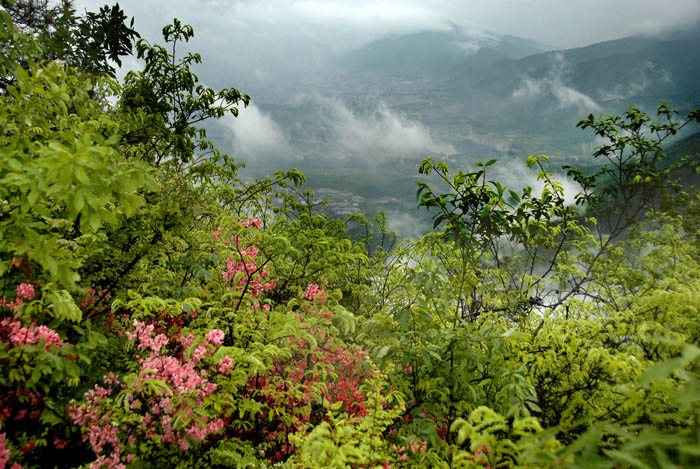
(515, 175)
(408, 225)
(529, 87)
(568, 96)
(649, 74)
(349, 22)
(254, 133)
(554, 84)
(498, 143)
(470, 47)
(363, 130)
(383, 131)
(329, 128)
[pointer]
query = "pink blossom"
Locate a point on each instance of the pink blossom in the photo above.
(158, 342)
(187, 340)
(31, 335)
(254, 222)
(25, 291)
(143, 333)
(183, 444)
(4, 451)
(215, 337)
(200, 352)
(314, 292)
(225, 365)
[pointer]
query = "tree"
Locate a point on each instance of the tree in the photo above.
(92, 42)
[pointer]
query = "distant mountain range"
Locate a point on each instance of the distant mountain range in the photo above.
(513, 90)
(363, 119)
(430, 54)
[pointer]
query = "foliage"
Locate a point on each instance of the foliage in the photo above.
(89, 42)
(157, 309)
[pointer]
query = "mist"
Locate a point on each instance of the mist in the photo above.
(356, 93)
(255, 134)
(554, 85)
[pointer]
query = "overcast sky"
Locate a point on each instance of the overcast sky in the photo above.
(561, 23)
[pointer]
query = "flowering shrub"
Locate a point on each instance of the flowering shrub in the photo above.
(242, 272)
(14, 333)
(37, 370)
(25, 292)
(297, 393)
(313, 292)
(172, 384)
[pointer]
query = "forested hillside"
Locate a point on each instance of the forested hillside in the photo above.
(159, 310)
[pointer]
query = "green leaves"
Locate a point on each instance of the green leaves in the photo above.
(63, 306)
(170, 100)
(62, 170)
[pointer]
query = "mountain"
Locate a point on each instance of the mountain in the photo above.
(361, 121)
(541, 97)
(429, 54)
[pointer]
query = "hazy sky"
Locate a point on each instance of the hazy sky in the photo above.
(342, 23)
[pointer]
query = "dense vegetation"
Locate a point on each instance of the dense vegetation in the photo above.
(158, 311)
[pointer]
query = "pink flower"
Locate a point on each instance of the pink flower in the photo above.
(225, 365)
(313, 292)
(31, 335)
(187, 340)
(183, 444)
(199, 353)
(254, 222)
(4, 451)
(215, 337)
(25, 291)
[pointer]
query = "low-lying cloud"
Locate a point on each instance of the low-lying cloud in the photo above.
(383, 131)
(649, 74)
(329, 128)
(254, 133)
(469, 47)
(408, 225)
(554, 85)
(365, 131)
(515, 175)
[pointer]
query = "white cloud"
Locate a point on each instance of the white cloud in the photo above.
(254, 133)
(529, 87)
(470, 47)
(649, 74)
(380, 131)
(407, 224)
(554, 84)
(375, 133)
(568, 96)
(563, 23)
(515, 175)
